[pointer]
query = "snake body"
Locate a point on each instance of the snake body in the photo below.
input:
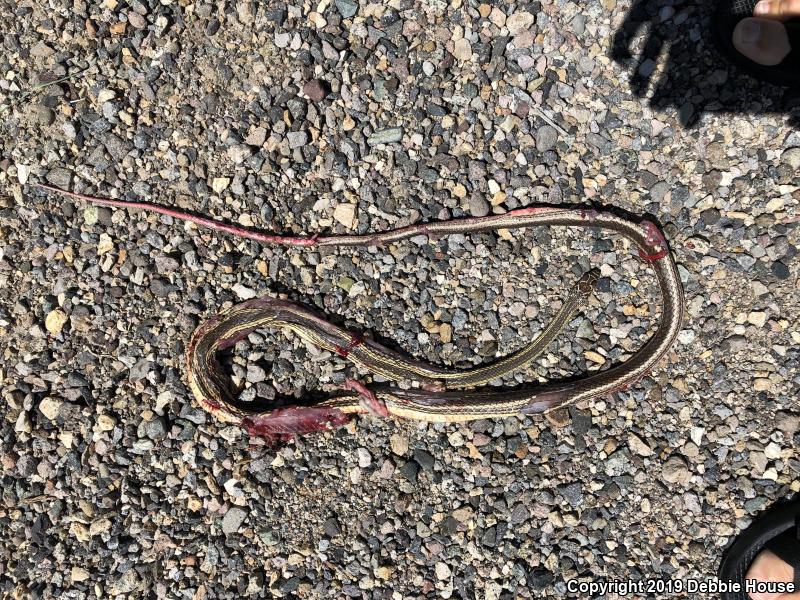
(437, 400)
(208, 381)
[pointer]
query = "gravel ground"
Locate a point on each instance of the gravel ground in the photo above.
(356, 116)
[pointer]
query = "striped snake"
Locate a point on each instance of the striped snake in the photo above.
(438, 398)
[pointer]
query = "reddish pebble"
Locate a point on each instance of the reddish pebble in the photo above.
(316, 90)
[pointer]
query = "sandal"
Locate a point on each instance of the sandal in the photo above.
(727, 16)
(777, 530)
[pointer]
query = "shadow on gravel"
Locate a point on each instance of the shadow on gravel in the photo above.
(696, 78)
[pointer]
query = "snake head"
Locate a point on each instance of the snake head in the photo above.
(656, 243)
(588, 282)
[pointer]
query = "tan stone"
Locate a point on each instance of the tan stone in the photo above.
(462, 49)
(399, 444)
(55, 320)
(49, 407)
(345, 214)
(594, 357)
(220, 184)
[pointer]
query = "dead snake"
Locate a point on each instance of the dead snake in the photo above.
(436, 400)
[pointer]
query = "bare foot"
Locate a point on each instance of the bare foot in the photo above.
(782, 10)
(763, 39)
(768, 567)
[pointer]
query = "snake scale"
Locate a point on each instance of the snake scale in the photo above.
(439, 398)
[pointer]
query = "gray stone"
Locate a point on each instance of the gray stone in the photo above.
(546, 138)
(346, 8)
(658, 191)
(519, 514)
(617, 464)
(166, 264)
(161, 288)
(156, 429)
(116, 146)
(59, 177)
(386, 136)
(647, 67)
(478, 206)
(45, 116)
(579, 24)
(424, 459)
(297, 139)
(331, 528)
(238, 153)
(255, 374)
(140, 370)
(674, 470)
(350, 150)
(791, 157)
(233, 519)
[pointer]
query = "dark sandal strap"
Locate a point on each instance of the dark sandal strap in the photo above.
(787, 547)
(767, 527)
(793, 58)
(743, 8)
